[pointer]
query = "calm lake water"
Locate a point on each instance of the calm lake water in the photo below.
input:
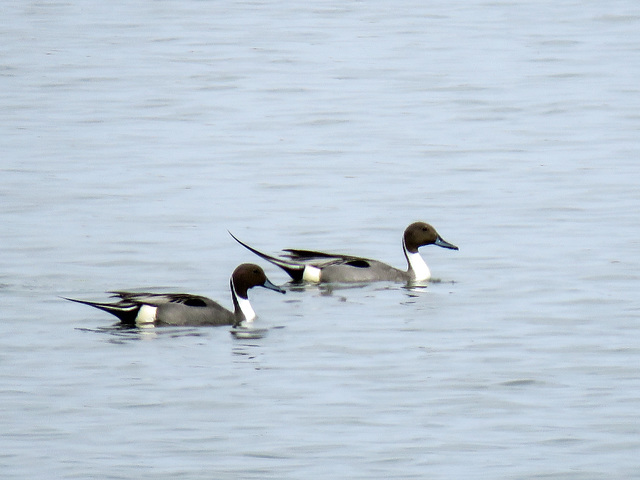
(133, 135)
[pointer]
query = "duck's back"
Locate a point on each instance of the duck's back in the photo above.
(207, 313)
(363, 270)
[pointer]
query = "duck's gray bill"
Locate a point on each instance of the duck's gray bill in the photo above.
(441, 243)
(271, 286)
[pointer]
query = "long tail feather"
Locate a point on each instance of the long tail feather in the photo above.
(294, 270)
(126, 312)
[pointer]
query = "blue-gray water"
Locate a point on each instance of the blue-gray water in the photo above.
(133, 135)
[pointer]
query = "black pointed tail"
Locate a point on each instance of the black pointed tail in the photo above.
(293, 269)
(126, 312)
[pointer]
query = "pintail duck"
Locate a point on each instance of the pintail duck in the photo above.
(318, 267)
(183, 309)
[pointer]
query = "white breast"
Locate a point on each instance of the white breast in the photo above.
(247, 310)
(419, 267)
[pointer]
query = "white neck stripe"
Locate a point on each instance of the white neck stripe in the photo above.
(418, 268)
(247, 310)
(245, 307)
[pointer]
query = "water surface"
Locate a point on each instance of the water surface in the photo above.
(133, 136)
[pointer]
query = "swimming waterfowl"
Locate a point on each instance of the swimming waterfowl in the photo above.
(183, 309)
(316, 267)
